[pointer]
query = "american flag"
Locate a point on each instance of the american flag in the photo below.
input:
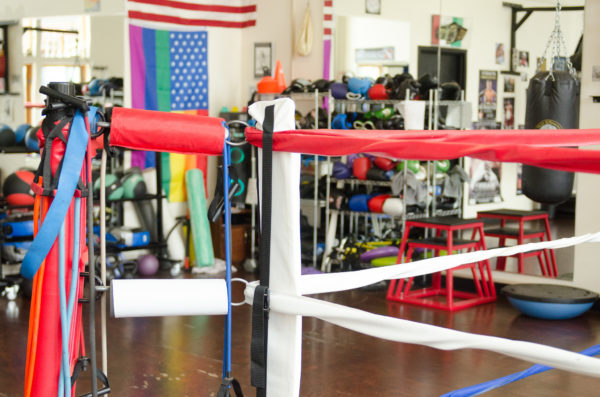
(328, 25)
(189, 78)
(187, 14)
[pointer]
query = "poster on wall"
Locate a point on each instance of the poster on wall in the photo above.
(488, 84)
(499, 53)
(374, 54)
(91, 5)
(524, 59)
(509, 85)
(484, 185)
(448, 31)
(6, 109)
(509, 113)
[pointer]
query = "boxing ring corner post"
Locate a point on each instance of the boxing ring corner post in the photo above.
(283, 363)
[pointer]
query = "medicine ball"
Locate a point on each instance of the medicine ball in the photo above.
(148, 265)
(31, 139)
(20, 132)
(7, 136)
(17, 188)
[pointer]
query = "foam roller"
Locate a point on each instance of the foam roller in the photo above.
(166, 132)
(194, 182)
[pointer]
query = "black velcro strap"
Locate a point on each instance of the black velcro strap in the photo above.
(267, 191)
(258, 347)
(260, 306)
(51, 131)
(227, 384)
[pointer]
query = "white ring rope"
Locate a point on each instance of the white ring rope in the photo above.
(399, 330)
(331, 282)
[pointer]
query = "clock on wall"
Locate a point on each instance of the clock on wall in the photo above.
(373, 6)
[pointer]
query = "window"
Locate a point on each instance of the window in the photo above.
(54, 49)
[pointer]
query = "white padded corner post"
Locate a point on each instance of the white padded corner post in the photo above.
(285, 330)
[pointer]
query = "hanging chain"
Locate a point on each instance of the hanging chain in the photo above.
(557, 40)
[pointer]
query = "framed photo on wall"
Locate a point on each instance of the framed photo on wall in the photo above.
(373, 7)
(263, 57)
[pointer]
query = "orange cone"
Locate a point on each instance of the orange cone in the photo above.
(280, 77)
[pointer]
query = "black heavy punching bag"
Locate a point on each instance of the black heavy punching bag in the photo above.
(552, 103)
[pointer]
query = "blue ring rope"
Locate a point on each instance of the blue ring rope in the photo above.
(493, 384)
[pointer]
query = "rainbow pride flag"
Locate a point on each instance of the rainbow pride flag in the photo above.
(169, 72)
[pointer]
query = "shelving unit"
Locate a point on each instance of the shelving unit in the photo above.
(159, 246)
(461, 114)
(316, 98)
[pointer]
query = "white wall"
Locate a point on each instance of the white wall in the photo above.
(354, 33)
(17, 9)
(107, 46)
(273, 25)
(311, 65)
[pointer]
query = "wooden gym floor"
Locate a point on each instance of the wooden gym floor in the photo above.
(182, 356)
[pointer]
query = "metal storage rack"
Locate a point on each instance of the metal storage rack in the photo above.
(431, 181)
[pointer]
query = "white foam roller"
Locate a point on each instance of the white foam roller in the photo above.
(150, 298)
(393, 206)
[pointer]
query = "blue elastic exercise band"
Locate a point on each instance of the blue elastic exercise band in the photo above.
(65, 365)
(226, 184)
(64, 384)
(493, 384)
(67, 183)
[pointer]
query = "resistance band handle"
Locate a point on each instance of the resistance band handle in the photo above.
(68, 99)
